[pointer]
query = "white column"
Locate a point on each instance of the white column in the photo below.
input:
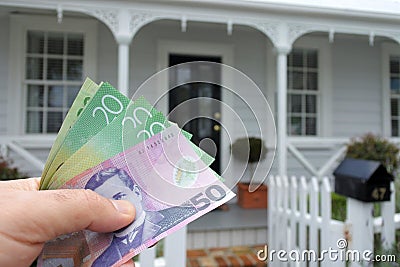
(281, 84)
(123, 67)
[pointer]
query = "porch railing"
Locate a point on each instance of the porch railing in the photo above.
(336, 146)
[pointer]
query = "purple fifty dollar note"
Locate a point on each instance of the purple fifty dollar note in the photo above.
(167, 182)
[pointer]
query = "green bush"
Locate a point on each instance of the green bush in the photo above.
(7, 172)
(251, 149)
(372, 147)
(338, 207)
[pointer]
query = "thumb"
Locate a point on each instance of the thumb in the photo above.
(55, 212)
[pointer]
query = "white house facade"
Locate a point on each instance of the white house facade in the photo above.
(330, 71)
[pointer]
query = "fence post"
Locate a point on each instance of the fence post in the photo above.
(293, 213)
(326, 215)
(361, 221)
(147, 257)
(271, 215)
(314, 210)
(388, 228)
(175, 248)
(303, 216)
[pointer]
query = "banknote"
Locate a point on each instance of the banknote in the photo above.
(109, 141)
(87, 91)
(164, 179)
(140, 122)
(105, 105)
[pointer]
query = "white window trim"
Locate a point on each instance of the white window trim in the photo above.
(19, 25)
(388, 49)
(324, 103)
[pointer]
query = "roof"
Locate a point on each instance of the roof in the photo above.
(362, 169)
(367, 6)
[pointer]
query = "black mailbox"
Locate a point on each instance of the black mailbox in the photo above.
(365, 180)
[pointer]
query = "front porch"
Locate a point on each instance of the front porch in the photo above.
(355, 90)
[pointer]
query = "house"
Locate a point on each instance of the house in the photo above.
(329, 71)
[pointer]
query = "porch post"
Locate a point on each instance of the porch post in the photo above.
(124, 24)
(281, 84)
(123, 67)
(123, 37)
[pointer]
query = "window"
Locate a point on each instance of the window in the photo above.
(48, 62)
(395, 94)
(53, 75)
(303, 92)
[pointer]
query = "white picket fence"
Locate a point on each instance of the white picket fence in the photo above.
(299, 223)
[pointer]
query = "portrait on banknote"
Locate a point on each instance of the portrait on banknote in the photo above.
(117, 184)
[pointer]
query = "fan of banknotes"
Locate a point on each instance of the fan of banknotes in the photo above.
(126, 149)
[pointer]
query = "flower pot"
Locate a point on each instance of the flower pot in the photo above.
(254, 200)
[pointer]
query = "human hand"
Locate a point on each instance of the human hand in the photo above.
(31, 217)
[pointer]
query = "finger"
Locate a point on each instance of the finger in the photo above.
(55, 212)
(129, 263)
(29, 184)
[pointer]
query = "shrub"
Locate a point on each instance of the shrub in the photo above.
(372, 147)
(338, 207)
(251, 149)
(7, 172)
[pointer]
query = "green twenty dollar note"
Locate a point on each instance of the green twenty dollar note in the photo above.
(87, 91)
(102, 109)
(140, 122)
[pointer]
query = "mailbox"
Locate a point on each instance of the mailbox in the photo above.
(365, 180)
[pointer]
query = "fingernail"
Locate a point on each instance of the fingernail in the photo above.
(123, 206)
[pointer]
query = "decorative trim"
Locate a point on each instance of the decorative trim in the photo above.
(108, 16)
(270, 29)
(139, 19)
(295, 30)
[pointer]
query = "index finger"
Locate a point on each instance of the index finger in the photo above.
(28, 184)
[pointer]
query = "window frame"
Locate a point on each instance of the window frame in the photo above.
(388, 50)
(324, 94)
(19, 26)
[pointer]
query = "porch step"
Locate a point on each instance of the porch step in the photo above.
(237, 256)
(235, 227)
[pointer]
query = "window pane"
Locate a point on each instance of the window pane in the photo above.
(35, 42)
(394, 65)
(34, 68)
(55, 43)
(34, 122)
(298, 80)
(289, 79)
(395, 128)
(311, 126)
(394, 85)
(394, 107)
(75, 44)
(312, 81)
(297, 58)
(295, 126)
(54, 69)
(72, 92)
(311, 104)
(74, 70)
(55, 96)
(312, 59)
(54, 121)
(35, 95)
(295, 104)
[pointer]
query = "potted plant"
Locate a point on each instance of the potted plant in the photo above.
(250, 150)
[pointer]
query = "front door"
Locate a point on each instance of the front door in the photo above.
(197, 118)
